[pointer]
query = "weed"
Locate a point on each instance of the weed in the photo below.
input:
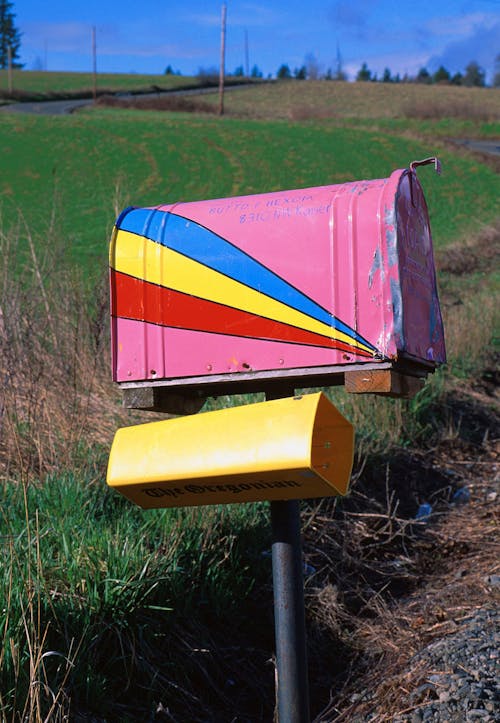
(444, 107)
(53, 362)
(84, 574)
(163, 103)
(297, 101)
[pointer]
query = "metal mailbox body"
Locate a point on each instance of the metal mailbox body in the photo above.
(319, 279)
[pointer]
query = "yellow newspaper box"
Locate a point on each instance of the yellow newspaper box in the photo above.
(291, 448)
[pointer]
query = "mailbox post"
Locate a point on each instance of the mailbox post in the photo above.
(289, 614)
(304, 288)
(292, 695)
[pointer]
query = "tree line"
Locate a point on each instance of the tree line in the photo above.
(473, 76)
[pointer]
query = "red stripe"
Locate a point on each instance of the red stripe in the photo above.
(133, 298)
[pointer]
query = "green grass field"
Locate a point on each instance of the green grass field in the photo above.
(46, 83)
(85, 168)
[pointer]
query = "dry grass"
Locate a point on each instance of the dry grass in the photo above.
(469, 299)
(303, 100)
(481, 253)
(163, 103)
(56, 399)
(456, 556)
(473, 328)
(319, 100)
(398, 584)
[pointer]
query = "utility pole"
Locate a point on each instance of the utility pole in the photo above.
(94, 66)
(222, 58)
(247, 64)
(9, 69)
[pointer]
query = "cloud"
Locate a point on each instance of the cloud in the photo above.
(481, 45)
(246, 15)
(347, 15)
(460, 26)
(449, 41)
(207, 20)
(113, 41)
(62, 37)
(179, 52)
(256, 15)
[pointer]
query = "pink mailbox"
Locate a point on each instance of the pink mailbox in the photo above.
(312, 287)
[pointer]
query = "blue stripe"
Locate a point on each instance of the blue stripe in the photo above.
(200, 244)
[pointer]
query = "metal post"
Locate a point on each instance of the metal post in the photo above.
(94, 65)
(9, 69)
(289, 611)
(222, 69)
(247, 62)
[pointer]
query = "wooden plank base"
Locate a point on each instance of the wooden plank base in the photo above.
(161, 399)
(187, 396)
(383, 382)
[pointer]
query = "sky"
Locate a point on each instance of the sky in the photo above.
(147, 36)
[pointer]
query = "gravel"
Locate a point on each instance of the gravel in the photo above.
(463, 684)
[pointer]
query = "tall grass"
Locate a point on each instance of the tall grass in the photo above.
(470, 273)
(299, 101)
(53, 360)
(90, 584)
(108, 610)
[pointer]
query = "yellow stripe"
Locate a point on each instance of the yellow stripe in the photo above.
(144, 259)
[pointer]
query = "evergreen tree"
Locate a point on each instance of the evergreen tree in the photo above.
(496, 77)
(364, 74)
(9, 36)
(284, 72)
(387, 78)
(441, 75)
(474, 75)
(457, 79)
(424, 76)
